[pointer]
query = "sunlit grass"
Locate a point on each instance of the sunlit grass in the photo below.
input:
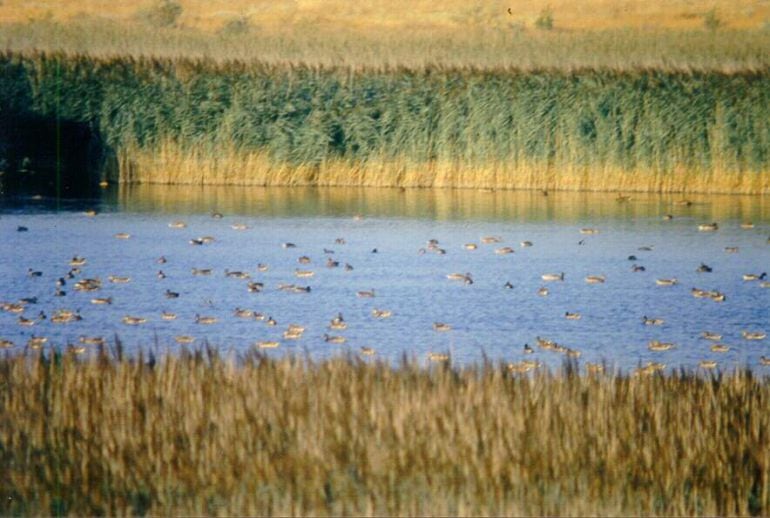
(201, 434)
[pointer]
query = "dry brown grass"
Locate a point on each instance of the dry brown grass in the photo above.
(199, 434)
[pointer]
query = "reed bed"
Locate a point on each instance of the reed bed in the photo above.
(197, 433)
(244, 123)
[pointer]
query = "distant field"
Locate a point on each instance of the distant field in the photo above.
(568, 15)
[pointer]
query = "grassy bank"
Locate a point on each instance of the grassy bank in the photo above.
(200, 121)
(196, 434)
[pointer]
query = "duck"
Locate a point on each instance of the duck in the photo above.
(747, 225)
(707, 364)
(648, 248)
(543, 291)
(589, 231)
(291, 334)
(118, 279)
(217, 215)
(334, 339)
(167, 315)
(348, 267)
(717, 296)
(438, 357)
(668, 217)
(658, 346)
(636, 268)
(267, 344)
(667, 282)
(720, 348)
(289, 245)
(381, 313)
(243, 313)
(708, 335)
(708, 227)
(237, 274)
(160, 275)
(652, 321)
(367, 351)
(504, 250)
(526, 244)
(92, 340)
(6, 344)
(330, 263)
(528, 349)
(764, 360)
(201, 271)
(101, 300)
(205, 320)
(699, 293)
(303, 273)
(508, 285)
(239, 226)
(133, 321)
(271, 322)
(704, 268)
(552, 277)
(488, 240)
(572, 316)
(649, 369)
(464, 277)
(184, 339)
(622, 198)
(594, 368)
(34, 273)
(36, 342)
(338, 325)
(441, 327)
(303, 259)
(754, 335)
(684, 203)
(595, 279)
(300, 289)
(366, 294)
(470, 246)
(27, 322)
(731, 249)
(339, 241)
(171, 294)
(522, 366)
(122, 235)
(78, 261)
(262, 267)
(177, 224)
(754, 276)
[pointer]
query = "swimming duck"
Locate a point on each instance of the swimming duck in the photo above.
(589, 231)
(78, 261)
(572, 316)
(184, 339)
(704, 268)
(160, 275)
(6, 344)
(271, 322)
(236, 274)
(658, 346)
(764, 360)
(334, 339)
(508, 285)
(526, 244)
(504, 250)
(523, 366)
(754, 277)
(381, 313)
(133, 321)
(303, 273)
(667, 282)
(528, 349)
(755, 335)
(464, 277)
(205, 320)
(708, 335)
(177, 224)
(161, 260)
(707, 364)
(747, 225)
(708, 227)
(717, 296)
(239, 226)
(553, 276)
(34, 273)
(101, 300)
(267, 344)
(201, 271)
(330, 263)
(118, 279)
(367, 351)
(731, 249)
(470, 246)
(543, 291)
(652, 321)
(92, 340)
(122, 235)
(720, 348)
(243, 313)
(668, 217)
(438, 357)
(166, 315)
(488, 240)
(303, 259)
(262, 267)
(348, 267)
(441, 327)
(637, 268)
(217, 215)
(289, 245)
(595, 279)
(366, 294)
(290, 334)
(171, 294)
(338, 326)
(27, 322)
(36, 342)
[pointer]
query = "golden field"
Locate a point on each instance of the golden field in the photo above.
(404, 14)
(196, 433)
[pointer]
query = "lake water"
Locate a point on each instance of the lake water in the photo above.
(486, 317)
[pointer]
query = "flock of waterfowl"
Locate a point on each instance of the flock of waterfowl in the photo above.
(74, 276)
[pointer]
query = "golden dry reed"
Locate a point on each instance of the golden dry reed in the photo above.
(169, 164)
(196, 433)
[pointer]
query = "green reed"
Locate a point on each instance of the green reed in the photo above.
(712, 125)
(197, 433)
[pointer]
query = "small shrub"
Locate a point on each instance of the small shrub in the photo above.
(236, 26)
(165, 13)
(711, 21)
(545, 19)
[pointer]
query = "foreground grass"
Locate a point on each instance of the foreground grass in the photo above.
(196, 433)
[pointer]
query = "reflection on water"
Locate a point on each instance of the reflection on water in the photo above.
(440, 204)
(494, 316)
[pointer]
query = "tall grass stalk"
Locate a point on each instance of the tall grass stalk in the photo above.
(202, 434)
